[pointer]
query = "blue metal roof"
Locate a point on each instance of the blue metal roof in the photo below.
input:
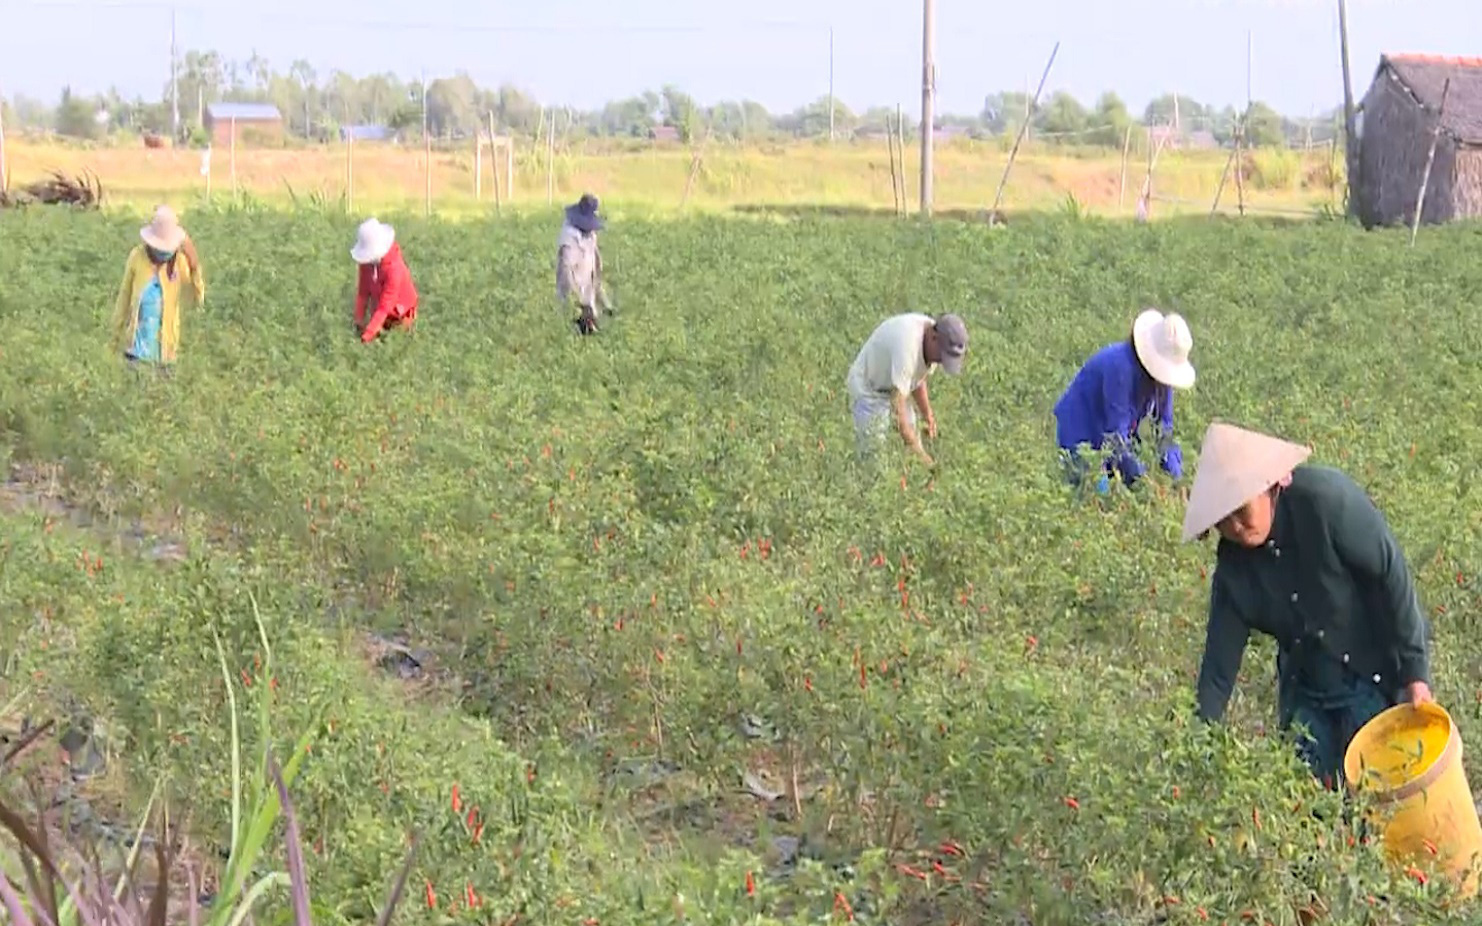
(248, 111)
(365, 132)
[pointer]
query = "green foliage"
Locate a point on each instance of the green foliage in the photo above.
(617, 546)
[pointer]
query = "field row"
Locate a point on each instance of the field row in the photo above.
(650, 584)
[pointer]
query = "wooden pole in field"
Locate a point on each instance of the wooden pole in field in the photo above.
(350, 171)
(550, 160)
(232, 157)
(4, 170)
(695, 161)
(895, 192)
(1430, 157)
(1122, 185)
(1014, 151)
(928, 100)
(478, 166)
(1220, 188)
(1350, 119)
(494, 167)
(900, 153)
(1145, 200)
(349, 162)
(1240, 163)
(509, 166)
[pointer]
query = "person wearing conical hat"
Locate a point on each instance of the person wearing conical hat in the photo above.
(385, 283)
(579, 263)
(1305, 557)
(1119, 387)
(160, 271)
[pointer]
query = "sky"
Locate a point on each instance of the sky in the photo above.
(583, 53)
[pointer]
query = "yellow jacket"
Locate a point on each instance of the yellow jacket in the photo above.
(137, 271)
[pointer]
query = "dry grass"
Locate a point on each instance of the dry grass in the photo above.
(388, 178)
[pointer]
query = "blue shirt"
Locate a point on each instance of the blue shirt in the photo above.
(147, 330)
(1105, 404)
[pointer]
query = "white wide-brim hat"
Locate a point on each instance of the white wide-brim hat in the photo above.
(163, 233)
(1163, 343)
(1235, 465)
(372, 241)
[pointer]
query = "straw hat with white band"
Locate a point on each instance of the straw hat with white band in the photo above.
(372, 241)
(1163, 343)
(163, 233)
(1235, 465)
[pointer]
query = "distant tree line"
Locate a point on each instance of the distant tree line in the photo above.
(315, 106)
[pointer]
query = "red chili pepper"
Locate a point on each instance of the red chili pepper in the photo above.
(750, 885)
(472, 898)
(431, 896)
(1072, 803)
(863, 681)
(478, 833)
(841, 903)
(807, 683)
(457, 800)
(473, 816)
(246, 679)
(951, 848)
(1255, 817)
(912, 872)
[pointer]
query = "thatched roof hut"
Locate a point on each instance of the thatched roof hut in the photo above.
(1394, 134)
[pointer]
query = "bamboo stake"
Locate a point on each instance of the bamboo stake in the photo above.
(1122, 185)
(695, 160)
(478, 166)
(1430, 157)
(1023, 129)
(1145, 199)
(4, 170)
(232, 156)
(895, 199)
(349, 163)
(1240, 164)
(1220, 189)
(900, 150)
(550, 160)
(494, 167)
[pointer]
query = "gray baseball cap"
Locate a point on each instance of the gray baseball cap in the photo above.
(952, 339)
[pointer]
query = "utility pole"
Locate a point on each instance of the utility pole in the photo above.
(174, 84)
(830, 83)
(928, 93)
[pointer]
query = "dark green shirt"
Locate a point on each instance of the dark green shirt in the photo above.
(1330, 584)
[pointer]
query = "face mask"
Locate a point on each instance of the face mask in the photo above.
(157, 255)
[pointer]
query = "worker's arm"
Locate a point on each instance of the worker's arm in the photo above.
(1367, 547)
(903, 425)
(1224, 650)
(569, 286)
(1169, 452)
(600, 297)
(123, 311)
(392, 283)
(1119, 419)
(362, 293)
(923, 405)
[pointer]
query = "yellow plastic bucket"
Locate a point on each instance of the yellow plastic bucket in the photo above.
(1408, 759)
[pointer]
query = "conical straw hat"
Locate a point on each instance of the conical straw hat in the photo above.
(1235, 465)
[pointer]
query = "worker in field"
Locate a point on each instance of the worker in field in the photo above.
(1119, 387)
(890, 372)
(385, 283)
(579, 263)
(1305, 557)
(160, 271)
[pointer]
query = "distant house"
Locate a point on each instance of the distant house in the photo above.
(1394, 136)
(667, 133)
(250, 121)
(365, 132)
(1201, 140)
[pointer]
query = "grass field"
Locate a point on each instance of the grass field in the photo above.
(652, 178)
(651, 591)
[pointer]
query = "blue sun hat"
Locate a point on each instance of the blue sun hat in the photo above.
(583, 215)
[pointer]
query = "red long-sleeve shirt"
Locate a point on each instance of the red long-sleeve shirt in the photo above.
(386, 285)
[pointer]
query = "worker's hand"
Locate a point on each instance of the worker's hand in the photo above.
(1419, 693)
(925, 457)
(188, 251)
(931, 426)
